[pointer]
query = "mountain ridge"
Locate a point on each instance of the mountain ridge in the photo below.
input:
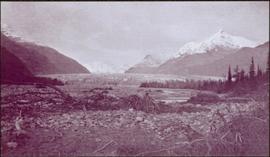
(41, 59)
(205, 61)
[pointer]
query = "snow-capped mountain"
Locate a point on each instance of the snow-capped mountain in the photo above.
(220, 40)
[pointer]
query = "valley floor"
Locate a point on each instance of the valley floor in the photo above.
(38, 121)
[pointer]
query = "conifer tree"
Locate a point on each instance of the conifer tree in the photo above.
(259, 72)
(252, 70)
(268, 67)
(236, 73)
(229, 75)
(252, 80)
(229, 78)
(242, 75)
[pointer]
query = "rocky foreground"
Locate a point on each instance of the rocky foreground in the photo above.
(221, 129)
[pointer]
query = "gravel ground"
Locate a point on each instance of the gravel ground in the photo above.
(114, 132)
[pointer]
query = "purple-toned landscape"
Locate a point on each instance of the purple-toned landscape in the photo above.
(135, 78)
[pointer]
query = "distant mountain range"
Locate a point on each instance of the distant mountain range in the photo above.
(40, 59)
(210, 57)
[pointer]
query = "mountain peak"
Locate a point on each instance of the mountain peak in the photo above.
(220, 34)
(221, 39)
(220, 31)
(149, 61)
(147, 57)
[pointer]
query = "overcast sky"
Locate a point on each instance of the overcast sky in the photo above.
(107, 36)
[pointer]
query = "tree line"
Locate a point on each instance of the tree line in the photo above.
(235, 80)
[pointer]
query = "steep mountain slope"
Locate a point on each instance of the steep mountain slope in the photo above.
(242, 58)
(41, 59)
(12, 68)
(180, 65)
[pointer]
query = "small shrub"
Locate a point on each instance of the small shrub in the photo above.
(45, 80)
(205, 98)
(190, 109)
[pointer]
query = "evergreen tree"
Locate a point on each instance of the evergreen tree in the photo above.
(268, 67)
(259, 72)
(252, 81)
(252, 70)
(229, 79)
(242, 75)
(236, 74)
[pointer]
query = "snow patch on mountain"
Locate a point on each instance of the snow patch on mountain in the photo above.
(220, 39)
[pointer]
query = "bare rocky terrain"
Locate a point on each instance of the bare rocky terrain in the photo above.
(60, 121)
